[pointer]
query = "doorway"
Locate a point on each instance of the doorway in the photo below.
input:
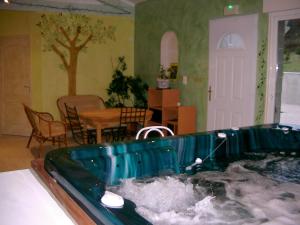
(283, 81)
(232, 72)
(15, 84)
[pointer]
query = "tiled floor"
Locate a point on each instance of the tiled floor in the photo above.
(24, 197)
(14, 155)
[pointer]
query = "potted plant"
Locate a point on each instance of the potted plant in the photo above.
(163, 79)
(172, 70)
(124, 89)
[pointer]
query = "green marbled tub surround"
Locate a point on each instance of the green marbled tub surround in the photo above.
(84, 171)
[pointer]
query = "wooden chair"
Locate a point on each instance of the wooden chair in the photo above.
(131, 120)
(80, 132)
(45, 128)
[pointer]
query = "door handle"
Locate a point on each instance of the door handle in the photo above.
(209, 93)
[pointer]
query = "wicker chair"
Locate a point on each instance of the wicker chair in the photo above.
(81, 102)
(45, 128)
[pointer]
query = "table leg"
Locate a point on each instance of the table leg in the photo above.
(99, 135)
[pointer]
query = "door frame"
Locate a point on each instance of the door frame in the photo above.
(272, 66)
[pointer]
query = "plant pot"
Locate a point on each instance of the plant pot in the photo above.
(162, 83)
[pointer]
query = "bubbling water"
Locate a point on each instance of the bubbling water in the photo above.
(245, 193)
(163, 198)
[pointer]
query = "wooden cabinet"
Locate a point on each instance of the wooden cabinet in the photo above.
(181, 119)
(158, 98)
(166, 111)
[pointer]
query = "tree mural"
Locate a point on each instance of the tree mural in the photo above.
(69, 34)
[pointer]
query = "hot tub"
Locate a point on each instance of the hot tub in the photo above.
(85, 172)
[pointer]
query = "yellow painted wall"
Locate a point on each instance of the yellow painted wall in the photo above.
(95, 69)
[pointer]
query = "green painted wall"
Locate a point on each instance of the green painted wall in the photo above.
(94, 66)
(189, 19)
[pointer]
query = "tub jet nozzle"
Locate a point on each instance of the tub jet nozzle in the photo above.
(198, 161)
(222, 135)
(112, 200)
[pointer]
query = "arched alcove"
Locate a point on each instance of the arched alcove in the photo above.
(169, 51)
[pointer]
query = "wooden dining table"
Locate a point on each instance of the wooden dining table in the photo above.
(105, 118)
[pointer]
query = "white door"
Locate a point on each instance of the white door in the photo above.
(232, 72)
(15, 84)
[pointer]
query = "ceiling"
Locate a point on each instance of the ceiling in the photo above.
(112, 7)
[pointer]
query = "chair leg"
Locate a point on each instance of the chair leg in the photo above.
(58, 141)
(66, 140)
(29, 141)
(41, 149)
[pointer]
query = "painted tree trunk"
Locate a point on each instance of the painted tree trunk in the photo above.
(72, 72)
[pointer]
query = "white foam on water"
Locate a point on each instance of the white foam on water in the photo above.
(167, 194)
(266, 199)
(242, 196)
